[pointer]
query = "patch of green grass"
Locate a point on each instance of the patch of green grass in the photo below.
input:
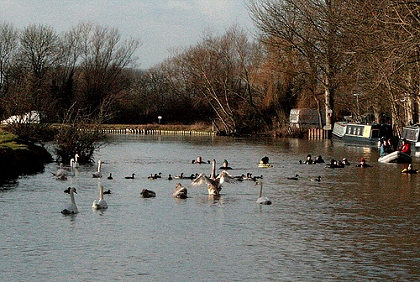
(9, 141)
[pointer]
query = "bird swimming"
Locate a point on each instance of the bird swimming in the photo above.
(318, 179)
(147, 193)
(214, 184)
(75, 163)
(61, 173)
(156, 176)
(110, 176)
(296, 177)
(98, 173)
(107, 192)
(180, 191)
(72, 208)
(130, 177)
(262, 200)
(101, 203)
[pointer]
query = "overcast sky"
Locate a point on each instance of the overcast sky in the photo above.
(160, 25)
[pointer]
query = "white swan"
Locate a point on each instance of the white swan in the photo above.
(61, 173)
(98, 174)
(180, 191)
(214, 184)
(72, 208)
(262, 200)
(75, 163)
(101, 203)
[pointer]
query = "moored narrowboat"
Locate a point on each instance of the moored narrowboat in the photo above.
(361, 134)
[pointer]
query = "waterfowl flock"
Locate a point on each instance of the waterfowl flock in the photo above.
(212, 181)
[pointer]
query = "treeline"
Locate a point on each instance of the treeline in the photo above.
(347, 58)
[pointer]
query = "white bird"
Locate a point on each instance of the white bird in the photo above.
(98, 174)
(72, 208)
(101, 203)
(180, 191)
(75, 163)
(61, 173)
(262, 200)
(214, 184)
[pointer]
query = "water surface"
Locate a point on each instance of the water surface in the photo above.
(354, 225)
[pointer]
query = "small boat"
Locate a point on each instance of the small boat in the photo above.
(361, 134)
(396, 157)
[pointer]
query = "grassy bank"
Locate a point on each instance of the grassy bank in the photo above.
(18, 157)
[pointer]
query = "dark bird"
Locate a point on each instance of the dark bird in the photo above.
(130, 177)
(318, 179)
(294, 177)
(147, 193)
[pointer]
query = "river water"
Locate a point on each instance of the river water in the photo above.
(356, 224)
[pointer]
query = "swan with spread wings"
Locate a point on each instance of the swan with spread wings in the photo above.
(214, 184)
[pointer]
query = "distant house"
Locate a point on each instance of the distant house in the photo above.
(305, 118)
(31, 117)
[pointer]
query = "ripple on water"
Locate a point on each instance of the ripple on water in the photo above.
(354, 225)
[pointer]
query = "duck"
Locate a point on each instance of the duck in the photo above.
(156, 176)
(192, 176)
(214, 184)
(181, 176)
(318, 179)
(180, 191)
(130, 177)
(98, 173)
(107, 192)
(262, 200)
(110, 176)
(147, 193)
(170, 177)
(239, 177)
(72, 208)
(101, 203)
(296, 177)
(250, 177)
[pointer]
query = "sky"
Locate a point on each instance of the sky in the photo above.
(161, 25)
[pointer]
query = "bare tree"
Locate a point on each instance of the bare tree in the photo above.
(221, 70)
(103, 57)
(314, 29)
(8, 49)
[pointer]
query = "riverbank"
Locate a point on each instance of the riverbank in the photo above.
(18, 157)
